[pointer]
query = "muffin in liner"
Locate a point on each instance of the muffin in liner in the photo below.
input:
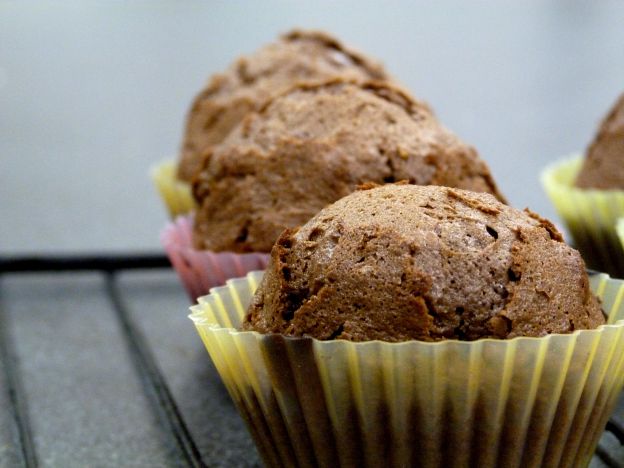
(519, 402)
(200, 270)
(590, 215)
(175, 193)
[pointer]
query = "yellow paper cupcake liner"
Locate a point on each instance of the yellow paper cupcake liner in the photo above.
(590, 216)
(619, 227)
(175, 193)
(521, 402)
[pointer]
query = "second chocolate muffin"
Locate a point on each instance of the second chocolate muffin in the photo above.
(313, 145)
(603, 168)
(405, 262)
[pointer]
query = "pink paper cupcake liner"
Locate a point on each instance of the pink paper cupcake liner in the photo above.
(200, 270)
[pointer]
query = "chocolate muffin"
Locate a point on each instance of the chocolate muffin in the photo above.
(315, 144)
(406, 262)
(250, 81)
(603, 168)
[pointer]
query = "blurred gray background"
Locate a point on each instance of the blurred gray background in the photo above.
(93, 93)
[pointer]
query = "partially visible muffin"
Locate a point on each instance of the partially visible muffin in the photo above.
(250, 81)
(406, 262)
(315, 144)
(603, 168)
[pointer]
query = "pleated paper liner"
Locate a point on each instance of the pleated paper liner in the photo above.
(522, 402)
(175, 193)
(200, 270)
(590, 216)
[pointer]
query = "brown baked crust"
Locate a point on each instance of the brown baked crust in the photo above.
(314, 144)
(251, 80)
(403, 262)
(603, 168)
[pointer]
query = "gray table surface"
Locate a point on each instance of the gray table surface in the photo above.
(93, 93)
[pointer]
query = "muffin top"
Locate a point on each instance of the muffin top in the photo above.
(406, 262)
(603, 167)
(251, 80)
(313, 145)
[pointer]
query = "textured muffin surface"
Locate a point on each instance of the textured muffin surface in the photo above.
(313, 145)
(603, 168)
(403, 262)
(249, 82)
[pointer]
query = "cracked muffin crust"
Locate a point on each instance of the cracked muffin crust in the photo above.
(315, 144)
(603, 168)
(403, 262)
(306, 56)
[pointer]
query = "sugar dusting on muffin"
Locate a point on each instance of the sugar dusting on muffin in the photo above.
(299, 56)
(603, 168)
(315, 144)
(404, 262)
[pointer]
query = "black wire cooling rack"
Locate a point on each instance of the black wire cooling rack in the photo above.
(184, 417)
